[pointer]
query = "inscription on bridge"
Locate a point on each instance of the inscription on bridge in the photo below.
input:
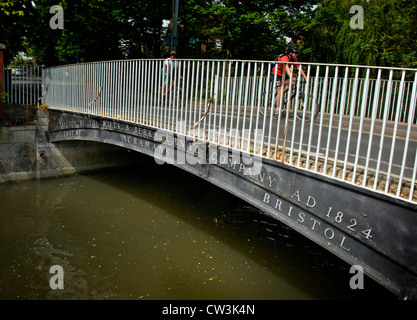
(129, 129)
(107, 125)
(306, 219)
(72, 133)
(328, 221)
(137, 142)
(78, 124)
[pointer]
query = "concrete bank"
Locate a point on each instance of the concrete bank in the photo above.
(26, 153)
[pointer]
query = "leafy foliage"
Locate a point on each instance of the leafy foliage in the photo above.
(387, 38)
(257, 29)
(12, 25)
(246, 29)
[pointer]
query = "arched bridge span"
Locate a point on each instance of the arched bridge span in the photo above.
(362, 227)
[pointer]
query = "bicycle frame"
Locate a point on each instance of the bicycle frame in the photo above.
(303, 100)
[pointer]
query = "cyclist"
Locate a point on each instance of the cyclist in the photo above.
(169, 65)
(291, 56)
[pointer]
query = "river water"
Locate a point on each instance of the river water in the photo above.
(155, 232)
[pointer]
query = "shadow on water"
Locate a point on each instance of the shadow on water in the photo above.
(233, 222)
(157, 232)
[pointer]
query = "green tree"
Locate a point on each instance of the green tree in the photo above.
(104, 30)
(259, 29)
(13, 28)
(246, 29)
(387, 38)
(98, 30)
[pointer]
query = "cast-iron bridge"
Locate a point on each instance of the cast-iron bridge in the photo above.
(345, 179)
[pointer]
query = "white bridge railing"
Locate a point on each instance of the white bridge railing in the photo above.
(365, 132)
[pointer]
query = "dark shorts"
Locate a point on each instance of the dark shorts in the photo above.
(278, 83)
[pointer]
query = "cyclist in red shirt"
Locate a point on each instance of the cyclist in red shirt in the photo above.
(279, 68)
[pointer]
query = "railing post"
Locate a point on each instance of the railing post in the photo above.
(407, 140)
(2, 48)
(287, 115)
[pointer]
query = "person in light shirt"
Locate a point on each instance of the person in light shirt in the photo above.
(169, 65)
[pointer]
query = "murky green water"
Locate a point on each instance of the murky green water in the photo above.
(155, 232)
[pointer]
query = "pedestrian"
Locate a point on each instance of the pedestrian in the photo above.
(170, 64)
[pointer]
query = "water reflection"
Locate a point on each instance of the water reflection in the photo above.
(155, 232)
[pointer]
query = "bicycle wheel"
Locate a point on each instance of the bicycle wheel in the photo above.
(272, 103)
(310, 105)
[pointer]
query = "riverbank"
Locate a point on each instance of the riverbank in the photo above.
(26, 152)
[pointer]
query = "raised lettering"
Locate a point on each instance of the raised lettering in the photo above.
(311, 202)
(271, 181)
(296, 195)
(261, 177)
(314, 223)
(278, 205)
(342, 244)
(329, 233)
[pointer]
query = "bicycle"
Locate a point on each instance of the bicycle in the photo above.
(305, 102)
